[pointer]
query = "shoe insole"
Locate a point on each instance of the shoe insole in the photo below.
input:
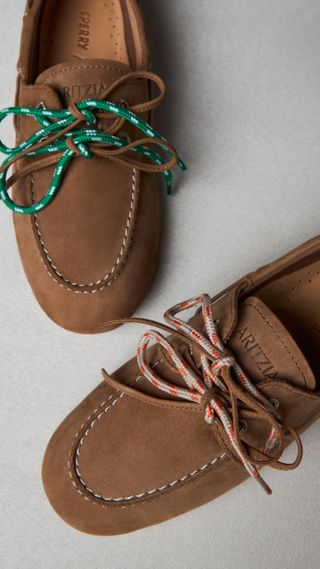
(72, 30)
(295, 300)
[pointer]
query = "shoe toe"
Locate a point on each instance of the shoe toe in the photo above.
(118, 464)
(92, 260)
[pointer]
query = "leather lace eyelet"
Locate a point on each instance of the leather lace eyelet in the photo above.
(125, 136)
(243, 427)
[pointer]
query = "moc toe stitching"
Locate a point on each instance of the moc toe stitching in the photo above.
(87, 492)
(120, 262)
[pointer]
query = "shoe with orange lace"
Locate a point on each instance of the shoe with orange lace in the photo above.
(199, 411)
(86, 197)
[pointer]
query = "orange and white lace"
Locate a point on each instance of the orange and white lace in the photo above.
(197, 387)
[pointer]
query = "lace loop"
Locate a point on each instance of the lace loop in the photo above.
(61, 136)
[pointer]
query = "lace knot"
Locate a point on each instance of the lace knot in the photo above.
(223, 396)
(64, 136)
(224, 361)
(210, 394)
(84, 115)
(78, 148)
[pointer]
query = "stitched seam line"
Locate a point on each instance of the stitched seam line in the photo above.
(281, 340)
(111, 274)
(125, 505)
(160, 489)
(307, 396)
(74, 67)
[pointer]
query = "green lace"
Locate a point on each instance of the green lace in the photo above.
(53, 122)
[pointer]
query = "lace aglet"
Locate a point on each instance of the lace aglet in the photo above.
(182, 165)
(264, 485)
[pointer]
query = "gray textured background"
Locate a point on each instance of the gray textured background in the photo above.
(243, 108)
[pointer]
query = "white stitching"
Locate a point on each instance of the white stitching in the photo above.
(160, 489)
(111, 273)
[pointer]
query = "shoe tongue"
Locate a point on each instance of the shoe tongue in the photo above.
(86, 79)
(259, 342)
(265, 349)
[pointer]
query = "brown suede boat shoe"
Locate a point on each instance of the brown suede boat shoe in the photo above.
(85, 195)
(199, 412)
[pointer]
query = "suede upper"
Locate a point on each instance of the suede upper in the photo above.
(130, 456)
(91, 255)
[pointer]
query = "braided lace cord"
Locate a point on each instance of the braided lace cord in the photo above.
(61, 136)
(214, 384)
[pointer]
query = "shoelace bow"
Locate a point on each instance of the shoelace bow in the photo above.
(62, 137)
(221, 384)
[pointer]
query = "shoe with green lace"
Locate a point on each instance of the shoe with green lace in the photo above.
(83, 173)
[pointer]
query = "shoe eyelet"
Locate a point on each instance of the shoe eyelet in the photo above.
(123, 103)
(275, 403)
(125, 136)
(243, 427)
